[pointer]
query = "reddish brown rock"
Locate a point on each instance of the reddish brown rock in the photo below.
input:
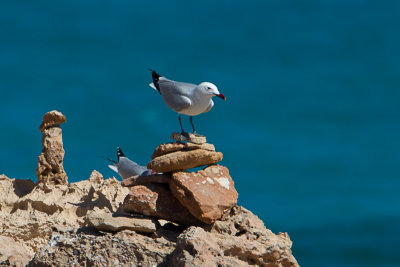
(207, 194)
(156, 200)
(50, 170)
(148, 179)
(182, 160)
(177, 146)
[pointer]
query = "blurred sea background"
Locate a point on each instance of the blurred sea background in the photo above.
(310, 130)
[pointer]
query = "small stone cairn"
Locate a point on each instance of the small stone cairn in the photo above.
(179, 195)
(50, 170)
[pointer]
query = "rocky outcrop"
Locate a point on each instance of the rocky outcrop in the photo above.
(28, 213)
(125, 248)
(50, 170)
(207, 194)
(239, 240)
(246, 245)
(178, 218)
(81, 223)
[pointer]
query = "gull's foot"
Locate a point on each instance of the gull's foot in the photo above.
(185, 134)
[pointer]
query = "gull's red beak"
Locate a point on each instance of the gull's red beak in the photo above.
(221, 96)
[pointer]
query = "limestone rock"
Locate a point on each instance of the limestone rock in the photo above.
(28, 213)
(50, 170)
(51, 119)
(96, 177)
(148, 179)
(13, 253)
(238, 239)
(177, 146)
(50, 223)
(207, 194)
(156, 200)
(124, 248)
(196, 247)
(190, 138)
(106, 222)
(181, 160)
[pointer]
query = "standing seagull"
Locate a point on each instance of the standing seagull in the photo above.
(186, 98)
(126, 167)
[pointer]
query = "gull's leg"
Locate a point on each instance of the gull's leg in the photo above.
(194, 130)
(180, 123)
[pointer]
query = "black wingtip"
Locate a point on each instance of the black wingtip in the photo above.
(120, 153)
(156, 78)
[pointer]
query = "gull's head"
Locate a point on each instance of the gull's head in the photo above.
(210, 89)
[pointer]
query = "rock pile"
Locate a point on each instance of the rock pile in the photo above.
(180, 156)
(177, 218)
(188, 197)
(50, 170)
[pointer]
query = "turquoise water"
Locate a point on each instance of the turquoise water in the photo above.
(310, 129)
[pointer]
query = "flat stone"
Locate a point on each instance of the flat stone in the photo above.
(140, 180)
(207, 194)
(178, 146)
(157, 200)
(181, 160)
(106, 222)
(191, 138)
(52, 118)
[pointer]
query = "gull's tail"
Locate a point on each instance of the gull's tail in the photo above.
(111, 160)
(156, 77)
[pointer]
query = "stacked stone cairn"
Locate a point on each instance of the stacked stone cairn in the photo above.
(178, 195)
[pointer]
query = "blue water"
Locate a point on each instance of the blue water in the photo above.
(310, 130)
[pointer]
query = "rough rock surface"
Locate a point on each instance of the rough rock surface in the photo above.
(157, 200)
(240, 239)
(13, 253)
(124, 248)
(50, 170)
(178, 146)
(109, 223)
(207, 194)
(51, 119)
(28, 212)
(181, 160)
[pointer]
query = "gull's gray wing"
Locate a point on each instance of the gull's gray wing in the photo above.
(176, 94)
(128, 168)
